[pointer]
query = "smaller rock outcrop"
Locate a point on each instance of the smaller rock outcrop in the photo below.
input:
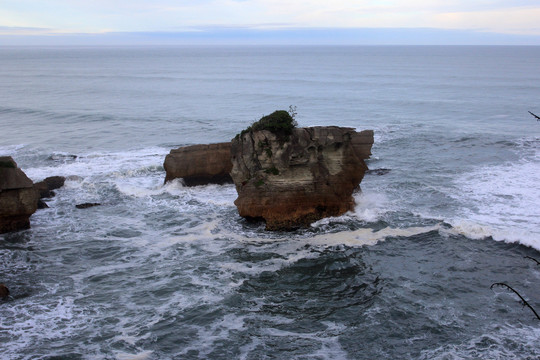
(18, 197)
(379, 172)
(46, 186)
(86, 205)
(200, 164)
(4, 292)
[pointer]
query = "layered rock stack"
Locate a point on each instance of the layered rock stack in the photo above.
(18, 197)
(295, 179)
(200, 164)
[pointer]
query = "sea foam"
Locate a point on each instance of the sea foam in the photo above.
(502, 201)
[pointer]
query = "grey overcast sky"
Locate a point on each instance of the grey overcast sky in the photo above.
(270, 21)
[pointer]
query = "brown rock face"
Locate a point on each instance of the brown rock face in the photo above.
(18, 198)
(46, 186)
(292, 182)
(200, 164)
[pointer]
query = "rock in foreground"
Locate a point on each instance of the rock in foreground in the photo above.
(295, 179)
(200, 164)
(18, 198)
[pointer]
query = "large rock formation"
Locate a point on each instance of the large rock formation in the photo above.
(200, 164)
(18, 197)
(294, 179)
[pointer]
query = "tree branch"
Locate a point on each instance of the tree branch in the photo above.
(523, 301)
(533, 259)
(536, 116)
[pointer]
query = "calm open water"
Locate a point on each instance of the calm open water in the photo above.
(167, 272)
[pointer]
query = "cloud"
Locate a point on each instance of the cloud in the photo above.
(16, 30)
(513, 20)
(508, 16)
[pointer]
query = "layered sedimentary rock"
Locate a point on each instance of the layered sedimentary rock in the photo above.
(294, 180)
(200, 164)
(18, 197)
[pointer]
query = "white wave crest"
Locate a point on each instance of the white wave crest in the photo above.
(502, 202)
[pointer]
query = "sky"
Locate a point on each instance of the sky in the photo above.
(270, 21)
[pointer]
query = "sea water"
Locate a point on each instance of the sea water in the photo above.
(162, 271)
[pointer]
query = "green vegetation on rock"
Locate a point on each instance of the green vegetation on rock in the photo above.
(280, 122)
(265, 146)
(273, 170)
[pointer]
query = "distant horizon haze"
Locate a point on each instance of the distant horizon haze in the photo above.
(252, 36)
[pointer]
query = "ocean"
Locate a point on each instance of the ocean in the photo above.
(162, 271)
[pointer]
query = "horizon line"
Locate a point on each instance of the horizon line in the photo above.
(256, 36)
